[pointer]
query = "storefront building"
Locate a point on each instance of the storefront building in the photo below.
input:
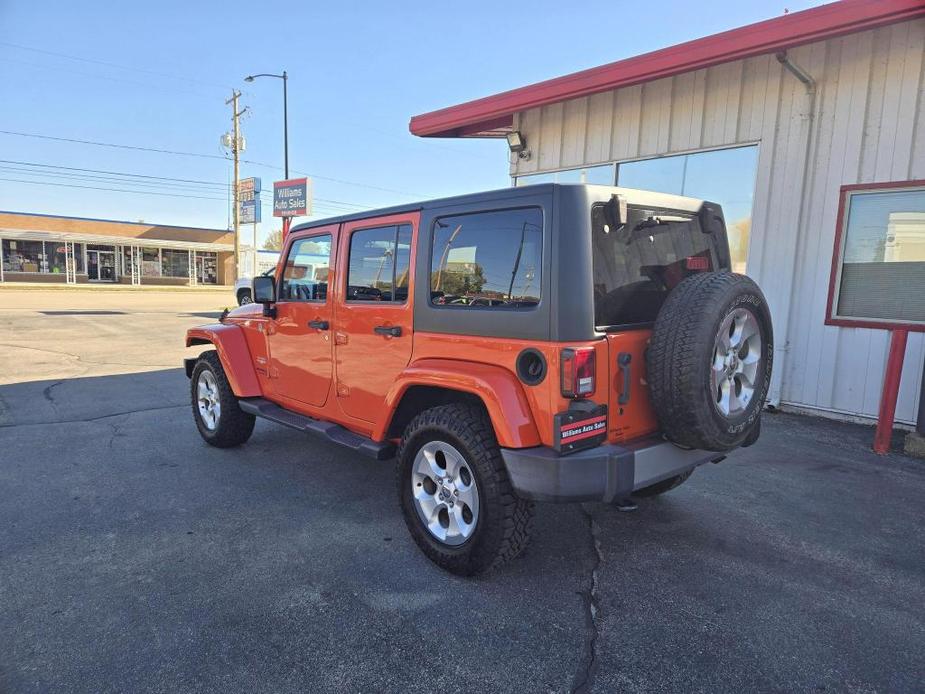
(73, 250)
(808, 128)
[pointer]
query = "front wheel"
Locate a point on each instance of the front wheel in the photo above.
(455, 494)
(244, 297)
(219, 418)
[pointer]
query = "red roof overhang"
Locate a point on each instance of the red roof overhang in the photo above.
(493, 116)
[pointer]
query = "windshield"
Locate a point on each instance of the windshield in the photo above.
(636, 265)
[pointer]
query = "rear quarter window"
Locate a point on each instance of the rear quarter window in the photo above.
(487, 260)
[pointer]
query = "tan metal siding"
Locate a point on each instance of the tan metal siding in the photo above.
(867, 126)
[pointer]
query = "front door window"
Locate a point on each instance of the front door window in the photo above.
(300, 336)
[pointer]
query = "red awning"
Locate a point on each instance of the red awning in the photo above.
(492, 116)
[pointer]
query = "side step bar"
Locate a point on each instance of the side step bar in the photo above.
(335, 433)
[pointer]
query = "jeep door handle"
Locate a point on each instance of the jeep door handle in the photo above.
(390, 330)
(319, 324)
(623, 361)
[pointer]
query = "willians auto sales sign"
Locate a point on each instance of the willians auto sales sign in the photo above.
(292, 198)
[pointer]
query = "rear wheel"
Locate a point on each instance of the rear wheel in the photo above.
(455, 494)
(709, 361)
(244, 297)
(219, 418)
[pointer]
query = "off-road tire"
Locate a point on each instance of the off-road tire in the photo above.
(244, 297)
(503, 526)
(663, 486)
(234, 425)
(680, 354)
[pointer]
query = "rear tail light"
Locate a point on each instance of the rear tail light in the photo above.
(578, 372)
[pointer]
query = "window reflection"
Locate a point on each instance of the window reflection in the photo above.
(883, 261)
(724, 176)
(488, 259)
(596, 175)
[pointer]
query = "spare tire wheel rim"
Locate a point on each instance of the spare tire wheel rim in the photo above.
(208, 400)
(736, 358)
(444, 493)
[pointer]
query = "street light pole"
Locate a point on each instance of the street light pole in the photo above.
(285, 78)
(285, 125)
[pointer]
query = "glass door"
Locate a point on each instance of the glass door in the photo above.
(101, 266)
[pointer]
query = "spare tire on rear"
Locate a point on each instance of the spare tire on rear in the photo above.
(709, 360)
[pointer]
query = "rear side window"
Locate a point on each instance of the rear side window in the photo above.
(305, 275)
(488, 260)
(636, 265)
(380, 262)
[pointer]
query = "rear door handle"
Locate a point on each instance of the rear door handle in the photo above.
(390, 330)
(623, 361)
(318, 324)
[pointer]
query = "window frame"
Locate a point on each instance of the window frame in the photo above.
(284, 258)
(544, 232)
(349, 241)
(838, 252)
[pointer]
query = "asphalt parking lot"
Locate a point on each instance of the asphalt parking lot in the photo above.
(134, 557)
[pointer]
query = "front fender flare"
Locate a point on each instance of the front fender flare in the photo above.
(495, 386)
(231, 345)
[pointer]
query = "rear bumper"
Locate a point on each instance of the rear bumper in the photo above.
(604, 473)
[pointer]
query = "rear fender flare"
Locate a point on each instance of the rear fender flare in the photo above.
(231, 345)
(495, 386)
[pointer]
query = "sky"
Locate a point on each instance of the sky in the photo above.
(157, 75)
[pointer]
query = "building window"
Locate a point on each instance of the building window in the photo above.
(488, 259)
(305, 275)
(24, 256)
(597, 175)
(174, 263)
(724, 176)
(380, 259)
(150, 262)
(880, 256)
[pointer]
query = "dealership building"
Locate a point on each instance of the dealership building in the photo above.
(74, 250)
(808, 128)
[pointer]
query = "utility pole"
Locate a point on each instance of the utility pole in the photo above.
(235, 147)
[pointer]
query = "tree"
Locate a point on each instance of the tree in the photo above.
(274, 241)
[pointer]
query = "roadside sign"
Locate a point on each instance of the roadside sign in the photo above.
(249, 201)
(292, 198)
(249, 210)
(249, 185)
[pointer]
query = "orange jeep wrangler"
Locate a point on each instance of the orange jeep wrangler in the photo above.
(545, 343)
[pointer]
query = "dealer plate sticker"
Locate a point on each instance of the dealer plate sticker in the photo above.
(578, 430)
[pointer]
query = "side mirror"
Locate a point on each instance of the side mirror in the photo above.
(264, 289)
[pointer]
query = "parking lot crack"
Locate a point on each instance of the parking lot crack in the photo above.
(91, 419)
(584, 677)
(47, 392)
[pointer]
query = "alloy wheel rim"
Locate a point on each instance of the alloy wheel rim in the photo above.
(445, 494)
(208, 401)
(734, 366)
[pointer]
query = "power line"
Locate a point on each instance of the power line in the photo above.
(202, 155)
(115, 65)
(326, 209)
(67, 175)
(144, 85)
(119, 173)
(172, 180)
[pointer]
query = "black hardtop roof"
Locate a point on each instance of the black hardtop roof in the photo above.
(638, 197)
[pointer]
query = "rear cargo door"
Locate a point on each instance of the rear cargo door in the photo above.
(635, 268)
